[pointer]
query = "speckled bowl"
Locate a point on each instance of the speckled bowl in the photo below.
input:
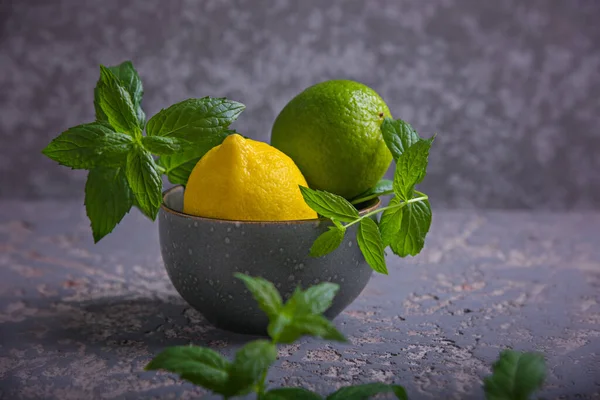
(201, 256)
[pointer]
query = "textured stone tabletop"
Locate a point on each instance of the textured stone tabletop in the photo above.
(79, 321)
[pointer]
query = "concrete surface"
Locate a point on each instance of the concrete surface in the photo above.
(79, 321)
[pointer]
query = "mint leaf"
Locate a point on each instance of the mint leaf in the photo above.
(329, 205)
(164, 145)
(318, 298)
(411, 167)
(198, 365)
(144, 180)
(398, 136)
(179, 166)
(264, 293)
(107, 199)
(415, 220)
(291, 394)
(317, 326)
(371, 245)
(363, 392)
(250, 363)
(116, 103)
(327, 241)
(195, 119)
(383, 187)
(130, 79)
(88, 146)
(390, 222)
(515, 376)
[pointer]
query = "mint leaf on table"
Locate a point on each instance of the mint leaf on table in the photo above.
(318, 298)
(298, 317)
(198, 365)
(107, 199)
(415, 220)
(364, 392)
(398, 136)
(164, 145)
(195, 119)
(178, 167)
(329, 205)
(327, 242)
(116, 103)
(265, 294)
(371, 245)
(292, 393)
(250, 363)
(144, 180)
(88, 146)
(411, 167)
(515, 376)
(383, 187)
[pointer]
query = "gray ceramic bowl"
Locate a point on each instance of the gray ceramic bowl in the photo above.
(201, 256)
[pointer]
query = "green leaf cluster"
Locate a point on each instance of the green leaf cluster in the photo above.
(515, 375)
(300, 315)
(404, 223)
(124, 170)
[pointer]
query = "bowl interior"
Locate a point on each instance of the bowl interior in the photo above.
(173, 201)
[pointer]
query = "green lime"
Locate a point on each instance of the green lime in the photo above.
(331, 131)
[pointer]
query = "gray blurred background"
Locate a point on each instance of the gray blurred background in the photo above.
(512, 87)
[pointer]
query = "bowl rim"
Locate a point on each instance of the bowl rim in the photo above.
(164, 207)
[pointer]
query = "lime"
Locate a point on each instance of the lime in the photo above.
(332, 132)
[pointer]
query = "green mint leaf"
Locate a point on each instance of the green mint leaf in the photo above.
(130, 79)
(371, 245)
(164, 145)
(327, 241)
(398, 136)
(195, 119)
(292, 393)
(383, 187)
(265, 294)
(415, 220)
(88, 146)
(318, 298)
(144, 180)
(317, 326)
(116, 103)
(411, 167)
(329, 205)
(515, 376)
(390, 222)
(107, 199)
(286, 330)
(364, 392)
(199, 365)
(250, 363)
(179, 166)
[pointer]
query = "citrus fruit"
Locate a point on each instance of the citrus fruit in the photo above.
(242, 179)
(332, 131)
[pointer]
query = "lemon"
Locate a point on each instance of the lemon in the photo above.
(332, 131)
(242, 179)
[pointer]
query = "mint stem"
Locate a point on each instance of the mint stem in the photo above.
(399, 205)
(369, 197)
(161, 169)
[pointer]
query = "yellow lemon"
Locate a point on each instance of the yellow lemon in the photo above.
(242, 179)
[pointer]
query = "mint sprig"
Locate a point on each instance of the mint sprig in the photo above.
(247, 372)
(404, 222)
(124, 171)
(515, 375)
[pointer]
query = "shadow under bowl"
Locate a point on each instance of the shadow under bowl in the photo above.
(202, 255)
